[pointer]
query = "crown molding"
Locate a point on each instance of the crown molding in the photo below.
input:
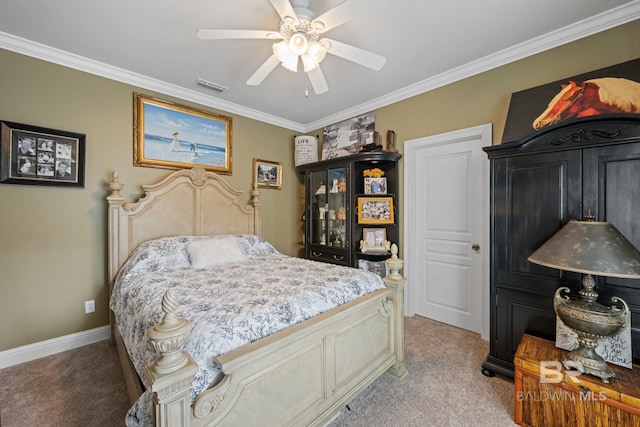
(67, 59)
(604, 21)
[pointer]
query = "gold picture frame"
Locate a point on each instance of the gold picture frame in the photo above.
(267, 174)
(375, 210)
(173, 136)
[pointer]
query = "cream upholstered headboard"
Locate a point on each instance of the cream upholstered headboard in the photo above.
(187, 202)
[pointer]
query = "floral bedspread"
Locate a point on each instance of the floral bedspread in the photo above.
(238, 301)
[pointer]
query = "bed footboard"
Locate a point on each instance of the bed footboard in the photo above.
(302, 375)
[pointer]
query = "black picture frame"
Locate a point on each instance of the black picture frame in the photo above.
(34, 155)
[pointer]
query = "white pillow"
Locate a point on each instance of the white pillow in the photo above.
(212, 252)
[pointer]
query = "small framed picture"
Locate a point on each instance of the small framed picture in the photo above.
(267, 174)
(375, 185)
(374, 240)
(378, 267)
(41, 156)
(375, 210)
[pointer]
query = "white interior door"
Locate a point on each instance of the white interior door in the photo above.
(447, 228)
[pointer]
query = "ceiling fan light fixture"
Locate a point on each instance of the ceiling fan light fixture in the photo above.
(309, 63)
(291, 63)
(317, 51)
(314, 56)
(281, 51)
(298, 43)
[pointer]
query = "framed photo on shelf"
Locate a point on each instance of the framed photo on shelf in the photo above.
(375, 185)
(173, 136)
(374, 240)
(375, 210)
(41, 156)
(378, 267)
(267, 174)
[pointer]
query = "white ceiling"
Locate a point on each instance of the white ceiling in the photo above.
(152, 44)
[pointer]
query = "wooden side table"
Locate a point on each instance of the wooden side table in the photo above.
(546, 395)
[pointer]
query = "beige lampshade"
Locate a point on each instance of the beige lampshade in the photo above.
(590, 247)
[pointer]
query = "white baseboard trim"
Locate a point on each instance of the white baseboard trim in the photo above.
(29, 352)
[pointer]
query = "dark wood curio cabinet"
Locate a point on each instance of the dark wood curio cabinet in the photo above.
(537, 185)
(332, 232)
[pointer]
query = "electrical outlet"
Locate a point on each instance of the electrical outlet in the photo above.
(89, 306)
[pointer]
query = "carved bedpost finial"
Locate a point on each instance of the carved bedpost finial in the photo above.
(115, 185)
(255, 196)
(394, 263)
(256, 203)
(169, 336)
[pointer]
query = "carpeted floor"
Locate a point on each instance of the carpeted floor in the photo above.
(80, 387)
(85, 387)
(444, 388)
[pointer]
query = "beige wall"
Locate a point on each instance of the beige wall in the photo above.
(53, 251)
(485, 98)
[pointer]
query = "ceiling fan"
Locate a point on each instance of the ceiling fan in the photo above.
(300, 32)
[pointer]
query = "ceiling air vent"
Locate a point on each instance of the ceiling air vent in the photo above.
(209, 85)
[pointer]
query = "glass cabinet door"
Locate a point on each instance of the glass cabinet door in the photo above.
(337, 208)
(329, 208)
(318, 214)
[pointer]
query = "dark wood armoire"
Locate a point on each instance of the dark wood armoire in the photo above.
(537, 185)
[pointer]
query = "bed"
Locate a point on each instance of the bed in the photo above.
(302, 374)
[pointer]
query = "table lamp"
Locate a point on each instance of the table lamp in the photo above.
(590, 247)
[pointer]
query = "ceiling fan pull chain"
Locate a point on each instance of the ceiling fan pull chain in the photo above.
(306, 85)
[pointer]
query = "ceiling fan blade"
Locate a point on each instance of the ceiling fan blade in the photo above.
(355, 54)
(263, 71)
(317, 81)
(284, 9)
(346, 11)
(237, 34)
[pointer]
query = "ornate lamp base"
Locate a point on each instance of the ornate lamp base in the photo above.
(592, 322)
(586, 360)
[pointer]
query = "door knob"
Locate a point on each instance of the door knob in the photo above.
(475, 247)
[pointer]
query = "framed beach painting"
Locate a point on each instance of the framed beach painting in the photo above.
(173, 136)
